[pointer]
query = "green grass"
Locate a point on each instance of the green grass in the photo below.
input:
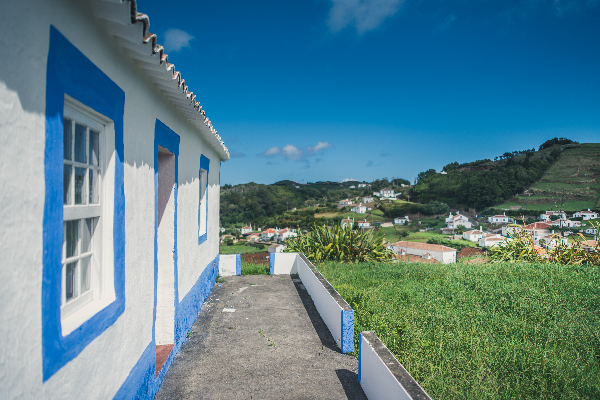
(240, 249)
(482, 331)
(569, 206)
(254, 269)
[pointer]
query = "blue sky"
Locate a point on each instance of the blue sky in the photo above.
(336, 89)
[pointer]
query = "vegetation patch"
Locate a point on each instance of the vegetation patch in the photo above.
(239, 249)
(482, 331)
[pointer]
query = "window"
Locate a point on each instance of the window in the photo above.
(203, 204)
(82, 208)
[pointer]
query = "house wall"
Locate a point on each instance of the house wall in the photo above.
(119, 361)
(445, 257)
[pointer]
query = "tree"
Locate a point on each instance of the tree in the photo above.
(228, 241)
(460, 229)
(404, 234)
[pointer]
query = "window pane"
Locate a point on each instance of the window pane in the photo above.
(85, 274)
(71, 236)
(93, 181)
(80, 143)
(70, 281)
(94, 148)
(89, 225)
(68, 137)
(67, 178)
(80, 185)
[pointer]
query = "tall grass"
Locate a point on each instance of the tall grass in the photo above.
(254, 269)
(482, 331)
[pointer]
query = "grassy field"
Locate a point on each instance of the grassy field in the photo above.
(482, 331)
(239, 249)
(574, 177)
(254, 269)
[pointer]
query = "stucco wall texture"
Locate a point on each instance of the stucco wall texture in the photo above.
(103, 365)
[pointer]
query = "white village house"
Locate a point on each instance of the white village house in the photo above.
(402, 220)
(490, 240)
(276, 248)
(360, 209)
(364, 224)
(347, 222)
(443, 254)
(362, 185)
(567, 223)
(549, 214)
(473, 235)
(268, 234)
(500, 219)
(453, 221)
(367, 200)
(109, 202)
(387, 193)
(284, 234)
(246, 229)
(587, 215)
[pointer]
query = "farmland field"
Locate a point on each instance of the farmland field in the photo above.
(482, 330)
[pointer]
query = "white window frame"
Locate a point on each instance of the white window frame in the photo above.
(79, 309)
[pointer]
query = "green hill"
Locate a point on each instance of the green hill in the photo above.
(571, 183)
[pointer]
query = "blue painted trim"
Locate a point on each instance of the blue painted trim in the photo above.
(359, 355)
(347, 342)
(238, 264)
(165, 137)
(70, 72)
(271, 263)
(141, 382)
(204, 165)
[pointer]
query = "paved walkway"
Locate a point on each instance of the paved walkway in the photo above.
(273, 346)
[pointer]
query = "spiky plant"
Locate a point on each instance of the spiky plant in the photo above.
(340, 244)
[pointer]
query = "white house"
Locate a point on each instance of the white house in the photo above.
(378, 194)
(473, 235)
(586, 214)
(402, 220)
(110, 202)
(538, 230)
(246, 229)
(453, 221)
(362, 185)
(500, 219)
(367, 200)
(591, 231)
(511, 230)
(360, 209)
(490, 240)
(548, 214)
(352, 187)
(565, 223)
(344, 203)
(443, 254)
(387, 193)
(268, 234)
(276, 248)
(364, 224)
(552, 241)
(283, 234)
(347, 222)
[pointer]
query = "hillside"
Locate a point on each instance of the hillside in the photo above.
(573, 181)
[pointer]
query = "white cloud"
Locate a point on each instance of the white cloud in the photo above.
(176, 39)
(320, 146)
(365, 15)
(348, 180)
(291, 152)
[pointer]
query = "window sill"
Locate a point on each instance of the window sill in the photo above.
(75, 320)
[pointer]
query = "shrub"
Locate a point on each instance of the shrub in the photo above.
(337, 244)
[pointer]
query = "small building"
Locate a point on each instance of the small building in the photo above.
(347, 222)
(360, 209)
(267, 234)
(538, 230)
(549, 214)
(443, 254)
(387, 192)
(344, 203)
(362, 185)
(367, 200)
(491, 240)
(253, 237)
(453, 221)
(591, 231)
(589, 245)
(473, 235)
(402, 220)
(364, 224)
(500, 219)
(352, 187)
(246, 229)
(586, 215)
(284, 234)
(567, 223)
(277, 248)
(377, 194)
(552, 241)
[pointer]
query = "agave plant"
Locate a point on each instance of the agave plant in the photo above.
(340, 244)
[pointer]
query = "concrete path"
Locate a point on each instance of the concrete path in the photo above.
(273, 346)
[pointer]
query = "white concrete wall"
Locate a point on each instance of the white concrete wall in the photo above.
(102, 367)
(227, 265)
(285, 263)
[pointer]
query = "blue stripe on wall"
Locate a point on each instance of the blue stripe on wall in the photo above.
(271, 263)
(238, 264)
(347, 345)
(359, 355)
